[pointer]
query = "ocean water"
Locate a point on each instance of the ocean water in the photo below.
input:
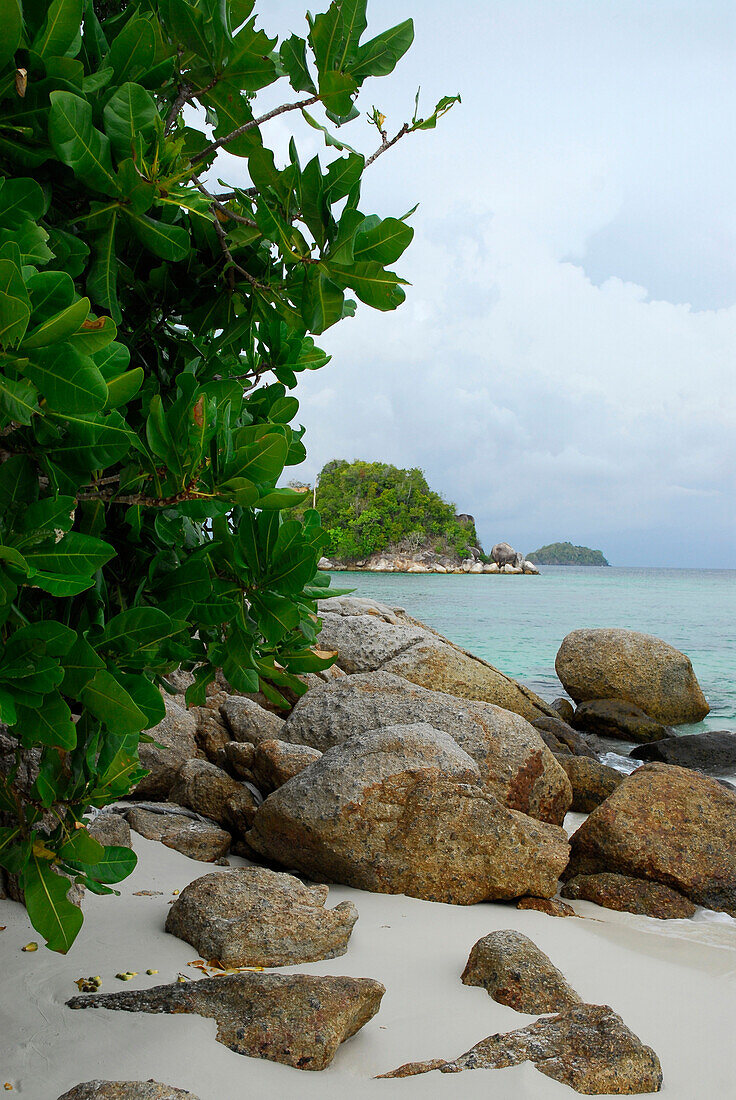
(518, 623)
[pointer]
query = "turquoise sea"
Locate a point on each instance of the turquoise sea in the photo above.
(517, 623)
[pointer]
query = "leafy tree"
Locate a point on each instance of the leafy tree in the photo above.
(152, 324)
(564, 553)
(369, 507)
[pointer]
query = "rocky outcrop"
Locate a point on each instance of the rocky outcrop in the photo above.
(236, 758)
(591, 781)
(504, 554)
(629, 895)
(197, 838)
(401, 810)
(713, 751)
(250, 722)
(613, 718)
(109, 828)
(613, 663)
(369, 636)
(513, 970)
(276, 762)
(561, 737)
(297, 1019)
(175, 744)
(668, 825)
(206, 789)
(553, 907)
(587, 1047)
(126, 1090)
(255, 917)
(514, 763)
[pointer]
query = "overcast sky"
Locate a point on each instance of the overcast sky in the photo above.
(564, 366)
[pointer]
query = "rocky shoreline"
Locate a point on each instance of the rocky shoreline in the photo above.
(413, 768)
(504, 561)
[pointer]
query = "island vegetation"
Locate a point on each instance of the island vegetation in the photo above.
(373, 507)
(564, 553)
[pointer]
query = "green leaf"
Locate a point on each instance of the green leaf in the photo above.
(70, 381)
(103, 275)
(75, 555)
(129, 112)
(15, 306)
(18, 399)
(380, 56)
(293, 57)
(20, 199)
(94, 335)
(18, 482)
(80, 665)
(170, 242)
(60, 30)
(115, 864)
(50, 911)
(112, 704)
(11, 20)
(124, 387)
(329, 138)
(139, 628)
(336, 91)
(384, 242)
(262, 461)
(133, 50)
(50, 724)
(58, 327)
(78, 144)
(374, 286)
(322, 302)
(335, 34)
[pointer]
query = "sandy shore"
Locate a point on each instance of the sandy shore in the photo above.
(673, 982)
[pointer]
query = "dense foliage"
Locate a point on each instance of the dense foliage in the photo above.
(564, 553)
(151, 326)
(368, 507)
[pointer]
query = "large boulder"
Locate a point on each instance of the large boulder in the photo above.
(126, 1090)
(276, 762)
(401, 811)
(504, 554)
(256, 917)
(109, 828)
(206, 789)
(369, 636)
(587, 1047)
(668, 825)
(515, 972)
(515, 765)
(558, 735)
(297, 1019)
(629, 895)
(591, 781)
(250, 722)
(612, 663)
(197, 838)
(711, 751)
(174, 743)
(614, 718)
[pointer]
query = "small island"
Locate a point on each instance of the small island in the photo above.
(564, 553)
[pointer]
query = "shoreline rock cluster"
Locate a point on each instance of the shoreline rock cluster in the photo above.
(413, 767)
(504, 560)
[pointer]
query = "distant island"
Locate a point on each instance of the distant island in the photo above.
(564, 553)
(372, 510)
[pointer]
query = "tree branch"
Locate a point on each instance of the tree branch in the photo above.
(252, 125)
(387, 144)
(223, 209)
(229, 257)
(185, 92)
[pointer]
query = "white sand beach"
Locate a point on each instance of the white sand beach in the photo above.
(673, 982)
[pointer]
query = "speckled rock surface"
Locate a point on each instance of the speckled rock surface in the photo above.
(614, 718)
(205, 788)
(256, 917)
(613, 663)
(515, 764)
(591, 781)
(201, 840)
(109, 828)
(553, 907)
(177, 736)
(515, 972)
(401, 810)
(297, 1019)
(276, 762)
(629, 895)
(369, 636)
(668, 825)
(250, 722)
(587, 1047)
(126, 1090)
